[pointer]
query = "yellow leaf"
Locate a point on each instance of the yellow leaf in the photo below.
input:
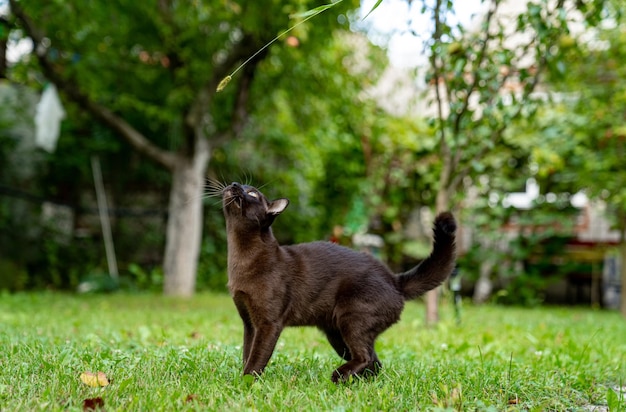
(94, 380)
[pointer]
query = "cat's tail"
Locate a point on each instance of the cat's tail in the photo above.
(436, 268)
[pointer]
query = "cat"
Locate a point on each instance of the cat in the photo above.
(350, 296)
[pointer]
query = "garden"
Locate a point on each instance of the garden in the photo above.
(119, 119)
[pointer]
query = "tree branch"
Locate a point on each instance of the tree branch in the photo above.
(482, 53)
(529, 88)
(443, 145)
(72, 90)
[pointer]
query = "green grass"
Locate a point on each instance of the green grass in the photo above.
(169, 354)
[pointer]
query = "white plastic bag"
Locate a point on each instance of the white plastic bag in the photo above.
(48, 116)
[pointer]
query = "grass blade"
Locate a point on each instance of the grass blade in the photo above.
(315, 11)
(373, 8)
(305, 15)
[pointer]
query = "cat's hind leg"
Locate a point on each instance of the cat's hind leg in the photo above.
(360, 319)
(361, 359)
(359, 333)
(369, 370)
(374, 366)
(336, 341)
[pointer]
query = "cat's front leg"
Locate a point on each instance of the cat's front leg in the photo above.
(248, 329)
(248, 334)
(265, 338)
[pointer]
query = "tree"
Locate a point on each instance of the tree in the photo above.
(149, 73)
(482, 81)
(595, 107)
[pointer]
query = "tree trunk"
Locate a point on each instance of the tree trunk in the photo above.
(184, 224)
(432, 307)
(623, 276)
(3, 58)
(484, 285)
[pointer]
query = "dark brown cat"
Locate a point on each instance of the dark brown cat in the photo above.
(350, 296)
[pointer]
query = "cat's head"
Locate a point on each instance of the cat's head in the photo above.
(247, 207)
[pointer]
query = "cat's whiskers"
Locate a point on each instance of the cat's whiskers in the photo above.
(212, 188)
(246, 179)
(265, 184)
(231, 199)
(215, 202)
(212, 193)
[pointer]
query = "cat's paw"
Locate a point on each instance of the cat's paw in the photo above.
(338, 377)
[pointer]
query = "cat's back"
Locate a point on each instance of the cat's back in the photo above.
(332, 258)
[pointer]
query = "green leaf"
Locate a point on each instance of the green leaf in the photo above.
(315, 11)
(373, 8)
(613, 401)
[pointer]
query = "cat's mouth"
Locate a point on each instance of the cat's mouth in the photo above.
(232, 196)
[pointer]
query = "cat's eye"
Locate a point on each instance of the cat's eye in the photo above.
(253, 194)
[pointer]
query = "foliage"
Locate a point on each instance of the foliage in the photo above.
(545, 147)
(149, 74)
(356, 167)
(168, 354)
(212, 265)
(596, 105)
(305, 140)
(64, 249)
(526, 246)
(541, 254)
(149, 70)
(484, 80)
(592, 93)
(311, 133)
(480, 81)
(309, 127)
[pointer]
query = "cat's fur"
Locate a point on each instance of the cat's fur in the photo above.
(350, 296)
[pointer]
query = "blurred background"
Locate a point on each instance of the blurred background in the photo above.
(512, 114)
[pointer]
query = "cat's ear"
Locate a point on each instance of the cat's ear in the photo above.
(277, 206)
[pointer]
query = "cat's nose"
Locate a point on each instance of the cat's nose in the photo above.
(235, 184)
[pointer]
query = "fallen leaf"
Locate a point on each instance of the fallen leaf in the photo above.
(93, 404)
(514, 401)
(434, 398)
(191, 398)
(456, 394)
(94, 380)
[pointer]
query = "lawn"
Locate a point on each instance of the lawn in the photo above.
(171, 354)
